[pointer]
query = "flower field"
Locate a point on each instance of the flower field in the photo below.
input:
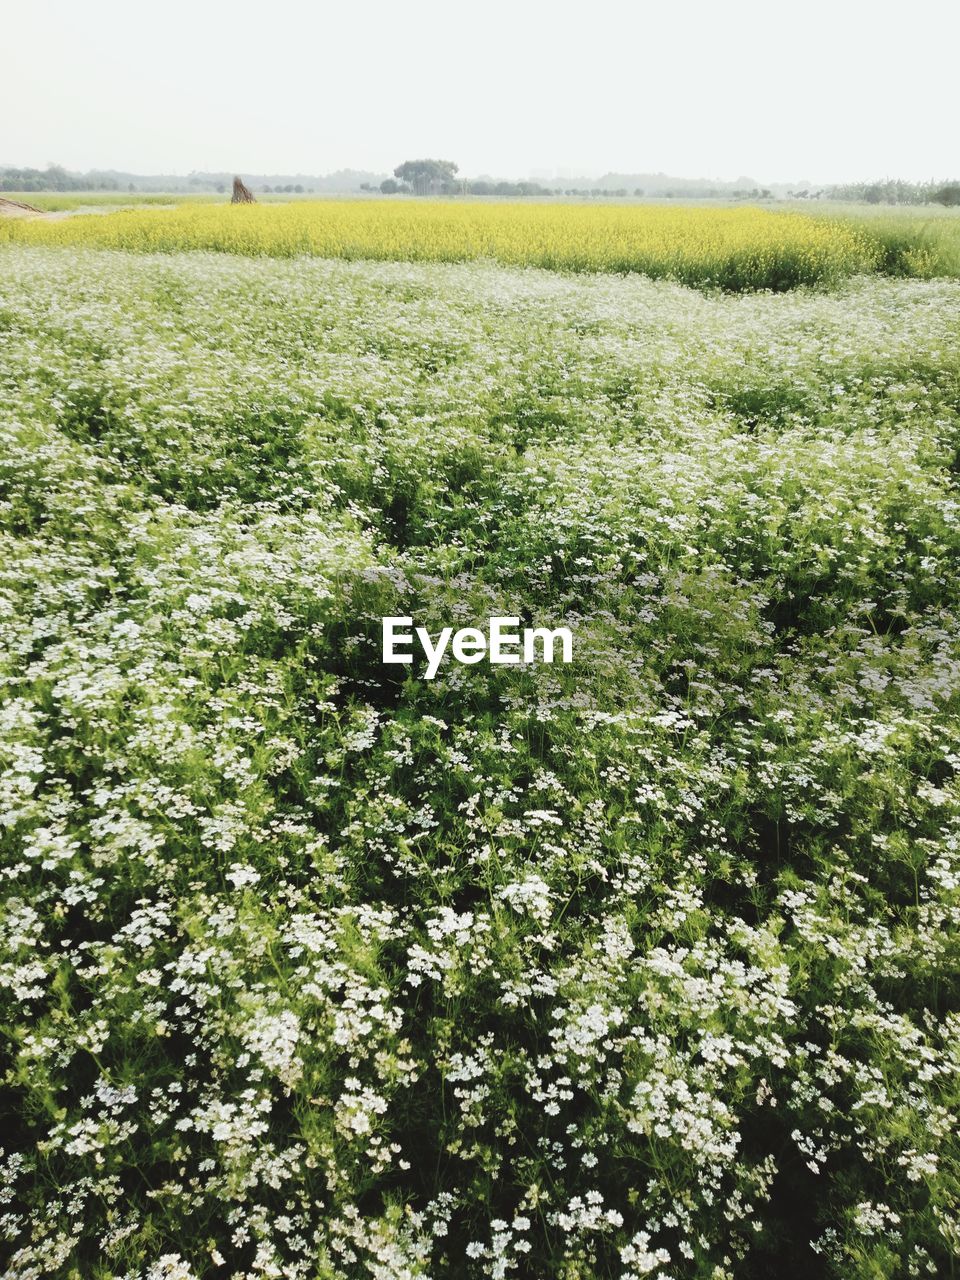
(734, 249)
(744, 248)
(645, 966)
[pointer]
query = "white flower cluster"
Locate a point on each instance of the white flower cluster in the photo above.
(639, 966)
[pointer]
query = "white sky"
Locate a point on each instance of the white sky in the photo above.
(822, 89)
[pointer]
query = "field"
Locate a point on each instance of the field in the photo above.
(645, 966)
(59, 201)
(728, 248)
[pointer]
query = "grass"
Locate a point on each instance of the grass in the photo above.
(60, 201)
(923, 246)
(642, 966)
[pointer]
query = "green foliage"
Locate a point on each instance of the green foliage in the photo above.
(645, 966)
(888, 191)
(424, 176)
(916, 243)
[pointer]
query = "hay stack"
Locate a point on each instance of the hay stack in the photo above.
(242, 193)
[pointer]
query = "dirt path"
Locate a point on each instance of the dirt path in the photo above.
(17, 209)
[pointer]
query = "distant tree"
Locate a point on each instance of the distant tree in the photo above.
(298, 188)
(484, 187)
(425, 176)
(221, 187)
(948, 195)
(57, 178)
(391, 187)
(887, 191)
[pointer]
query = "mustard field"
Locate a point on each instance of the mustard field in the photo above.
(731, 248)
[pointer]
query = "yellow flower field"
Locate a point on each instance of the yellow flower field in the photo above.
(741, 248)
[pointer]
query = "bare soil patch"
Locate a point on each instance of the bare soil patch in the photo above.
(18, 209)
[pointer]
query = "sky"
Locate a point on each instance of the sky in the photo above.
(828, 90)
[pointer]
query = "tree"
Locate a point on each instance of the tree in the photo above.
(425, 176)
(390, 186)
(948, 195)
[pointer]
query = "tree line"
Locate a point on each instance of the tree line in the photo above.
(56, 178)
(440, 178)
(893, 191)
